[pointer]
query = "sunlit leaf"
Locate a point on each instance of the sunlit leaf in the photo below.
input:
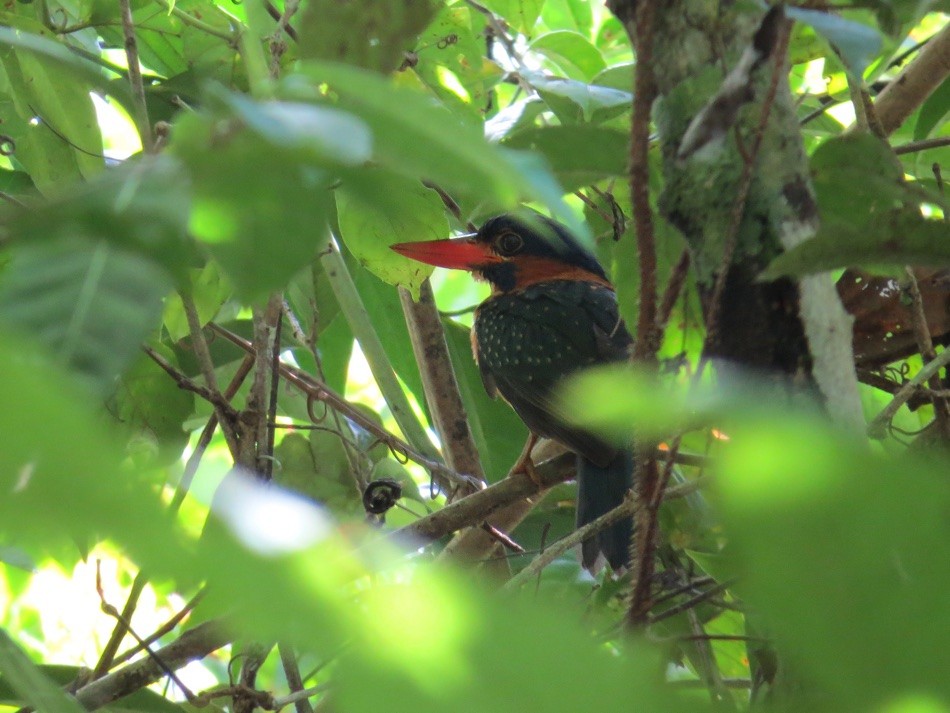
(408, 212)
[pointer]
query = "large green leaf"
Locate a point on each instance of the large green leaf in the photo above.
(377, 209)
(573, 101)
(142, 207)
(257, 207)
(854, 595)
(89, 303)
(578, 154)
(33, 687)
(571, 52)
(857, 43)
(869, 214)
(522, 14)
(420, 139)
(63, 481)
(372, 34)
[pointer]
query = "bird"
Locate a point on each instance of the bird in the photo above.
(551, 312)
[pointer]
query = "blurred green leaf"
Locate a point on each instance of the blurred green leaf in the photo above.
(869, 214)
(33, 687)
(522, 14)
(63, 481)
(372, 34)
(257, 207)
(90, 304)
(846, 546)
(579, 154)
(376, 209)
(140, 207)
(857, 43)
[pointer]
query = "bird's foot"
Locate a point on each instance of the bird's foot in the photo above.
(525, 464)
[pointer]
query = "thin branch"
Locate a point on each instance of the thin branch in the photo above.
(204, 440)
(107, 656)
(215, 398)
(644, 90)
(135, 76)
(440, 384)
(901, 97)
(230, 37)
(292, 673)
(691, 602)
(474, 508)
(318, 391)
(165, 628)
(922, 145)
(226, 414)
(878, 427)
(673, 289)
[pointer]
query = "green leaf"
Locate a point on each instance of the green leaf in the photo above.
(63, 481)
(899, 237)
(141, 206)
(831, 505)
(571, 14)
(571, 52)
(522, 14)
(574, 101)
(30, 683)
(869, 214)
(578, 154)
(421, 140)
(90, 304)
(372, 34)
(319, 134)
(933, 111)
(153, 408)
(259, 212)
(408, 211)
(857, 43)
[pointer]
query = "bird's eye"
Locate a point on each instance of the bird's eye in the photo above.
(509, 243)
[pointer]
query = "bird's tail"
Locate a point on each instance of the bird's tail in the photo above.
(600, 490)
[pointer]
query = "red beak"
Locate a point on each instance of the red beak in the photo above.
(455, 253)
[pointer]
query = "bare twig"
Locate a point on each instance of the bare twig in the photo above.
(118, 633)
(226, 416)
(692, 602)
(135, 75)
(878, 426)
(439, 382)
(160, 631)
(913, 146)
(927, 351)
(673, 289)
(294, 682)
(213, 397)
(319, 391)
(899, 99)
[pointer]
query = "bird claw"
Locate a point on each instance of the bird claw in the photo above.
(525, 464)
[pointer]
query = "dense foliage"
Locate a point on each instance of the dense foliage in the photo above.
(197, 296)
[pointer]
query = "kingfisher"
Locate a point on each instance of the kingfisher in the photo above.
(552, 311)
